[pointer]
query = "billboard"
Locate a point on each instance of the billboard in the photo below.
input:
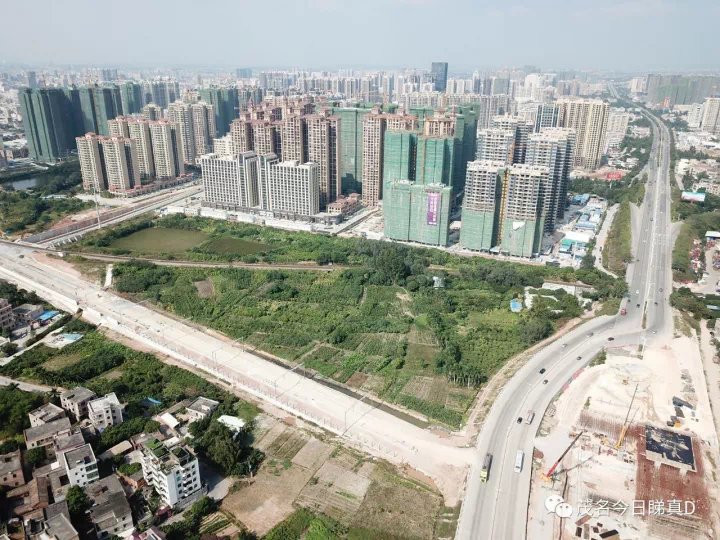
(692, 196)
(433, 208)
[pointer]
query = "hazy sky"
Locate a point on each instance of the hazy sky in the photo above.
(316, 34)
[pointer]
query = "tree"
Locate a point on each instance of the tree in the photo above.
(35, 456)
(78, 503)
(9, 349)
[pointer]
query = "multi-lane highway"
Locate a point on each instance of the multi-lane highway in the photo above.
(497, 509)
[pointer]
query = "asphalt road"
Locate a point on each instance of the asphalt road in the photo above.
(498, 509)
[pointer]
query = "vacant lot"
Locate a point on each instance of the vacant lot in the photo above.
(160, 240)
(425, 348)
(363, 499)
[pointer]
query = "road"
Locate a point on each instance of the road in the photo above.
(143, 208)
(498, 509)
(361, 423)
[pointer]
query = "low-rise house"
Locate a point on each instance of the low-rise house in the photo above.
(105, 412)
(173, 471)
(65, 442)
(56, 474)
(11, 473)
(110, 512)
(7, 317)
(52, 522)
(201, 408)
(33, 496)
(45, 414)
(75, 401)
(45, 434)
(27, 313)
(81, 465)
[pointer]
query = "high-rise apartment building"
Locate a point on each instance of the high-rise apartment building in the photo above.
(182, 114)
(552, 148)
(120, 158)
(711, 115)
(439, 71)
(292, 134)
(231, 180)
(91, 163)
(139, 131)
(521, 223)
(520, 128)
(118, 127)
(616, 129)
(547, 116)
(152, 112)
(323, 137)
(495, 145)
(203, 119)
(49, 122)
(131, 97)
(588, 117)
(31, 77)
(375, 125)
(294, 188)
(671, 90)
(490, 106)
(264, 162)
(417, 212)
(225, 105)
(481, 204)
(265, 137)
(166, 140)
(695, 115)
(222, 145)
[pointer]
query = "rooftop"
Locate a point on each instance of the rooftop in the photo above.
(77, 395)
(60, 528)
(46, 430)
(10, 463)
(103, 402)
(47, 411)
(81, 455)
(203, 405)
(26, 308)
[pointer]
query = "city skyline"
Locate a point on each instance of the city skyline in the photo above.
(622, 35)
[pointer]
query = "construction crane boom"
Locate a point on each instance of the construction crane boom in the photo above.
(552, 469)
(625, 423)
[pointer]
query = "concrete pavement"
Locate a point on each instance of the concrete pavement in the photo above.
(361, 424)
(498, 509)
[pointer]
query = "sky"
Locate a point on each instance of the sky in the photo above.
(624, 35)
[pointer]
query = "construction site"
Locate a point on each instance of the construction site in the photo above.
(628, 450)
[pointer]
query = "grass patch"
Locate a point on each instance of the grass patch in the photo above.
(160, 240)
(233, 246)
(611, 306)
(618, 247)
(599, 359)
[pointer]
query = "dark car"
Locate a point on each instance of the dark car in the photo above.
(656, 303)
(637, 305)
(542, 371)
(519, 420)
(611, 338)
(661, 289)
(545, 381)
(579, 358)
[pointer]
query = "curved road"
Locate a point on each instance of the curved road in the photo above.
(498, 509)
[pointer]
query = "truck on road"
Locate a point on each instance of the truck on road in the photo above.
(529, 418)
(486, 468)
(519, 461)
(623, 311)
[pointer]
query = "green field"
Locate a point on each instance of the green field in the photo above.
(228, 246)
(385, 330)
(160, 240)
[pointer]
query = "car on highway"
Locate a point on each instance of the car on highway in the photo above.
(486, 468)
(656, 303)
(542, 371)
(529, 418)
(545, 381)
(564, 345)
(637, 305)
(519, 420)
(661, 289)
(591, 334)
(579, 358)
(637, 291)
(611, 338)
